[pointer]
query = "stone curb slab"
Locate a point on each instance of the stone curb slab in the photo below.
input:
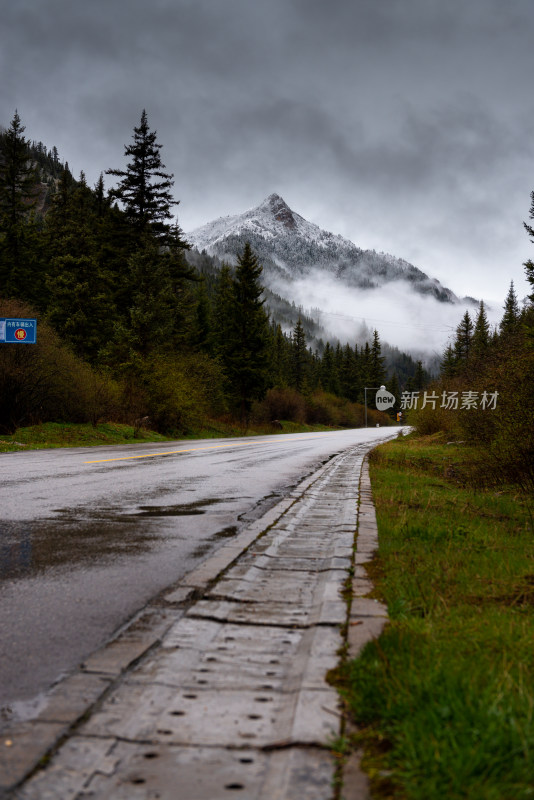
(124, 770)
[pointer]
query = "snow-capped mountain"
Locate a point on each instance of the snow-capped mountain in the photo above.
(290, 248)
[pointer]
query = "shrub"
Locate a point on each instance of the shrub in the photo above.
(181, 392)
(280, 403)
(46, 382)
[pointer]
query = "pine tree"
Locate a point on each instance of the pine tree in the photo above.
(377, 373)
(144, 187)
(246, 360)
(463, 341)
(529, 265)
(223, 309)
(419, 379)
(101, 201)
(347, 376)
(481, 333)
(328, 372)
(510, 321)
(18, 196)
(202, 333)
(448, 362)
(79, 297)
(281, 353)
(149, 325)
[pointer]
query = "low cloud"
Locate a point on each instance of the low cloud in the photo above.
(404, 319)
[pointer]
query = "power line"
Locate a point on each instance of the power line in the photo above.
(440, 329)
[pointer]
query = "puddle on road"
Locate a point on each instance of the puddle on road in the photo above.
(29, 548)
(205, 547)
(226, 533)
(83, 537)
(181, 510)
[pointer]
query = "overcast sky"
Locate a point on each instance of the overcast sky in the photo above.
(404, 125)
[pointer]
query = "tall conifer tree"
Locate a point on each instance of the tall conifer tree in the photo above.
(463, 341)
(510, 321)
(18, 196)
(144, 187)
(481, 333)
(377, 370)
(79, 297)
(223, 309)
(247, 359)
(529, 265)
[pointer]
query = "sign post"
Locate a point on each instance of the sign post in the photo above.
(16, 330)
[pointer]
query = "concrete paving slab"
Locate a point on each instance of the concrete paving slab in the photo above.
(115, 657)
(71, 770)
(272, 613)
(356, 785)
(104, 769)
(278, 563)
(261, 586)
(202, 718)
(165, 715)
(279, 660)
(362, 631)
(68, 701)
(367, 607)
(235, 655)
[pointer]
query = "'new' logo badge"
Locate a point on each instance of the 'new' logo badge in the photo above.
(384, 399)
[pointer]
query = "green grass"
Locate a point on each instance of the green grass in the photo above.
(56, 434)
(445, 698)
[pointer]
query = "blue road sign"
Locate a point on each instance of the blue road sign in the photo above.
(14, 330)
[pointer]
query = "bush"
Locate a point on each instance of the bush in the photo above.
(328, 409)
(46, 382)
(428, 421)
(181, 392)
(278, 404)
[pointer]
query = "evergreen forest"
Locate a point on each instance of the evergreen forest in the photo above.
(134, 326)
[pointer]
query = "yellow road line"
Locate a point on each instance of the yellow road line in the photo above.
(192, 449)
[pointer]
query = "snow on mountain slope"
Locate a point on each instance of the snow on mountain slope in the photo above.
(290, 248)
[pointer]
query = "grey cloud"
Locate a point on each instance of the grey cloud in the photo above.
(401, 124)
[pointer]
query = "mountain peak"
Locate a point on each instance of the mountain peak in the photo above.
(280, 210)
(290, 247)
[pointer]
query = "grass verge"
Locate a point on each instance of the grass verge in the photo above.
(444, 699)
(58, 434)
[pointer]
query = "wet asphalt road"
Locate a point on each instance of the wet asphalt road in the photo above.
(89, 535)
